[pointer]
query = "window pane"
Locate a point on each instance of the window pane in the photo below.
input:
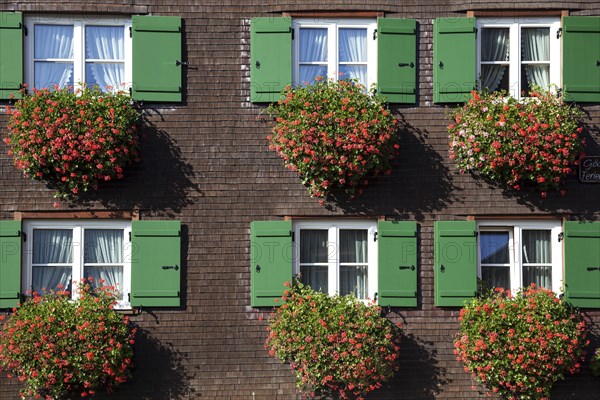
(494, 277)
(313, 246)
(308, 73)
(541, 276)
(48, 74)
(103, 246)
(538, 75)
(313, 45)
(495, 44)
(52, 246)
(104, 43)
(535, 44)
(358, 72)
(536, 247)
(110, 275)
(49, 278)
(315, 277)
(53, 41)
(353, 246)
(494, 247)
(352, 45)
(104, 75)
(353, 279)
(494, 78)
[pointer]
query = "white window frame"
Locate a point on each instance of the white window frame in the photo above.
(514, 25)
(333, 228)
(515, 229)
(79, 23)
(78, 227)
(332, 27)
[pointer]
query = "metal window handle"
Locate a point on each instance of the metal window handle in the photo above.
(442, 268)
(258, 268)
(410, 64)
(411, 267)
(597, 63)
(257, 64)
(441, 65)
(593, 268)
(175, 267)
(178, 63)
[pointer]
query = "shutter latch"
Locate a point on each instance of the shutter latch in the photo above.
(375, 34)
(559, 33)
(561, 236)
(375, 236)
(178, 63)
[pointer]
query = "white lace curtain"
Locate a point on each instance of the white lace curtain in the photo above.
(104, 43)
(536, 47)
(52, 247)
(313, 49)
(53, 42)
(104, 246)
(536, 250)
(353, 49)
(494, 47)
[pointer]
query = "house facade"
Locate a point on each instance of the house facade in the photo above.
(208, 226)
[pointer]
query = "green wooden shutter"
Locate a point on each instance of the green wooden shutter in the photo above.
(270, 261)
(157, 59)
(582, 263)
(455, 261)
(270, 58)
(397, 267)
(156, 264)
(10, 263)
(454, 62)
(11, 54)
(397, 63)
(581, 58)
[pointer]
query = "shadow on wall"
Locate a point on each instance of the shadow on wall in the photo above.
(159, 373)
(419, 376)
(162, 182)
(419, 184)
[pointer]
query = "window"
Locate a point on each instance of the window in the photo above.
(516, 254)
(337, 257)
(339, 49)
(67, 51)
(515, 53)
(61, 252)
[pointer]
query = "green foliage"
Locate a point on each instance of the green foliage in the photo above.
(334, 344)
(334, 135)
(59, 347)
(537, 139)
(73, 139)
(595, 363)
(519, 346)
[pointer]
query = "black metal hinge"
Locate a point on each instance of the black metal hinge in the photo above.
(375, 34)
(24, 236)
(561, 236)
(25, 30)
(375, 236)
(559, 33)
(293, 236)
(292, 34)
(130, 32)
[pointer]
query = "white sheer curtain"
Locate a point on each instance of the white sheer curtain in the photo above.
(313, 50)
(104, 43)
(494, 47)
(353, 253)
(537, 250)
(53, 43)
(52, 246)
(313, 250)
(353, 49)
(104, 246)
(536, 47)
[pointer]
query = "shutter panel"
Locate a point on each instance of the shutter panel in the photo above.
(156, 263)
(397, 63)
(454, 62)
(582, 264)
(455, 266)
(10, 263)
(270, 58)
(581, 58)
(397, 268)
(270, 261)
(156, 51)
(11, 54)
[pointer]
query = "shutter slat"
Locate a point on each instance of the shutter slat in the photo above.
(155, 244)
(455, 262)
(157, 46)
(270, 58)
(11, 54)
(397, 60)
(10, 263)
(397, 253)
(270, 261)
(454, 59)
